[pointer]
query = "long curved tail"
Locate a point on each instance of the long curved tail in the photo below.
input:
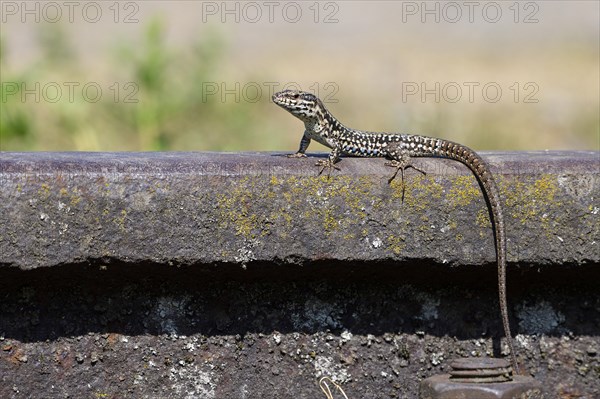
(490, 190)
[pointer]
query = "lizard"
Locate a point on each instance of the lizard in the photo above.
(323, 127)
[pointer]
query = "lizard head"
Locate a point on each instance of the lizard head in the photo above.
(304, 106)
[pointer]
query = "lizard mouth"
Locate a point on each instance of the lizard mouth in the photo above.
(287, 97)
(278, 99)
(281, 101)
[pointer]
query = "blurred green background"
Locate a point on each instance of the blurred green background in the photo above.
(183, 76)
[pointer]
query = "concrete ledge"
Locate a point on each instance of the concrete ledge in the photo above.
(342, 279)
(190, 208)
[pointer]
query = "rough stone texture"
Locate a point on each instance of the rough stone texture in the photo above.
(120, 275)
(124, 331)
(186, 208)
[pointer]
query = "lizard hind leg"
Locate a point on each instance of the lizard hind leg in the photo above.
(401, 164)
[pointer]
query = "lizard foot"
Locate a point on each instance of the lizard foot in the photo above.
(326, 164)
(296, 155)
(400, 167)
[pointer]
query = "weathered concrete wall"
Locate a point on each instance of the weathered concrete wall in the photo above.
(200, 207)
(120, 274)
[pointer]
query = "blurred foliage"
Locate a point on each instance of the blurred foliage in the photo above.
(154, 100)
(157, 97)
(55, 45)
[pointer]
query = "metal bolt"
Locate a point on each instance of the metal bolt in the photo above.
(479, 378)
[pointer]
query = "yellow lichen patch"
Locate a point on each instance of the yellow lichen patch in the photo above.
(463, 191)
(396, 244)
(288, 190)
(246, 225)
(360, 196)
(75, 199)
(483, 218)
(340, 201)
(419, 191)
(274, 184)
(44, 190)
(120, 221)
(545, 189)
(397, 185)
(349, 236)
(237, 209)
(330, 222)
(531, 202)
(424, 228)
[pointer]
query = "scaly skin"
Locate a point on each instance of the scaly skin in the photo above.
(323, 127)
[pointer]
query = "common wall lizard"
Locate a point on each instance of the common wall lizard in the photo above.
(324, 128)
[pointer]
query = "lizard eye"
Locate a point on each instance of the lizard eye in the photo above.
(295, 95)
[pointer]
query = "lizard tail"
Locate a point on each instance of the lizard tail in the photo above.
(490, 190)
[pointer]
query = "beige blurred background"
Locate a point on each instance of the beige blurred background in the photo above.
(196, 75)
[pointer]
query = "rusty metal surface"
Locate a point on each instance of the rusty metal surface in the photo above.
(480, 370)
(190, 208)
(442, 387)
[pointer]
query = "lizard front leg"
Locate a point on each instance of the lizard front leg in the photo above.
(329, 163)
(304, 142)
